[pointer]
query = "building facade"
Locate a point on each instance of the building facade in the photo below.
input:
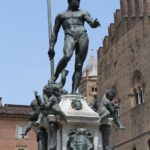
(12, 120)
(88, 84)
(124, 64)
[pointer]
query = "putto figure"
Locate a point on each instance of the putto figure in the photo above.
(76, 39)
(109, 109)
(51, 95)
(39, 130)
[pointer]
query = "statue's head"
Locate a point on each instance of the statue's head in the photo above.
(74, 4)
(34, 105)
(110, 94)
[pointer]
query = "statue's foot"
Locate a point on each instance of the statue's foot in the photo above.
(23, 135)
(74, 93)
(64, 118)
(99, 120)
(65, 72)
(37, 123)
(54, 79)
(122, 127)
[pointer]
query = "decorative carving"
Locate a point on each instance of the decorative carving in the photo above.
(76, 104)
(80, 139)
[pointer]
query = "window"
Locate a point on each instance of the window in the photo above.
(21, 147)
(94, 91)
(140, 95)
(138, 87)
(19, 132)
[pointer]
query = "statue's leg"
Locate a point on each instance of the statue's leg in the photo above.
(42, 140)
(104, 113)
(81, 53)
(118, 122)
(69, 45)
(105, 129)
(57, 110)
(63, 77)
(40, 119)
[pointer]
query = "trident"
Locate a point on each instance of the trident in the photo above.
(49, 35)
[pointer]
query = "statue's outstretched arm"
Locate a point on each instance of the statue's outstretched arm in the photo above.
(27, 128)
(93, 23)
(38, 98)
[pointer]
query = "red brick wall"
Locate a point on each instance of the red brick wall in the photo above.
(125, 50)
(8, 140)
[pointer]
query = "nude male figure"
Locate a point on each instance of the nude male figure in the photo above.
(76, 39)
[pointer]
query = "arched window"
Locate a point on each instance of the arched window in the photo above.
(137, 84)
(94, 90)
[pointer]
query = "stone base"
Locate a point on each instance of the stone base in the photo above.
(82, 129)
(93, 130)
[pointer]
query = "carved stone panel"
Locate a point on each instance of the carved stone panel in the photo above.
(80, 139)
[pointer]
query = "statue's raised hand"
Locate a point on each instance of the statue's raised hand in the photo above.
(96, 23)
(51, 53)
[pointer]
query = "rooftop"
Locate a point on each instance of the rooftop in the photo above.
(10, 109)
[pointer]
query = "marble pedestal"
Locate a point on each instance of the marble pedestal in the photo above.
(80, 117)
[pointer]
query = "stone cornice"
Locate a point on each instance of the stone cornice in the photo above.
(14, 116)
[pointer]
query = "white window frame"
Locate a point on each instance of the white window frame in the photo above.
(21, 147)
(19, 131)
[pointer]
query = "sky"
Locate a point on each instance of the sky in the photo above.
(24, 63)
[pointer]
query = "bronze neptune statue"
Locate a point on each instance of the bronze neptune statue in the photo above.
(76, 39)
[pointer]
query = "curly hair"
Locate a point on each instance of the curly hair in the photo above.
(112, 92)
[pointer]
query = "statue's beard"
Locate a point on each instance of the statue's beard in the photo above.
(74, 5)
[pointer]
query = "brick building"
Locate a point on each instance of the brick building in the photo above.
(124, 64)
(12, 120)
(88, 84)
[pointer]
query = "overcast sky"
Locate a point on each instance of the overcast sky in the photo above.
(24, 63)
